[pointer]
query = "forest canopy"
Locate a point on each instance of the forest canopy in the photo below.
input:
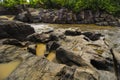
(110, 6)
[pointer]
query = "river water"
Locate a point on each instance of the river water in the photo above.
(112, 34)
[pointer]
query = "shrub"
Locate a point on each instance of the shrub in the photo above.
(110, 6)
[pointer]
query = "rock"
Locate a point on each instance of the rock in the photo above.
(97, 14)
(102, 65)
(64, 15)
(97, 20)
(69, 58)
(55, 36)
(32, 48)
(72, 33)
(14, 29)
(102, 23)
(5, 11)
(116, 60)
(81, 16)
(105, 75)
(49, 16)
(35, 68)
(25, 17)
(88, 17)
(76, 58)
(36, 37)
(52, 45)
(85, 17)
(83, 73)
(41, 67)
(92, 36)
(104, 15)
(93, 52)
(3, 18)
(22, 17)
(113, 23)
(2, 10)
(13, 42)
(66, 73)
(119, 20)
(9, 53)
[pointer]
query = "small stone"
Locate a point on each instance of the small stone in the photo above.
(32, 49)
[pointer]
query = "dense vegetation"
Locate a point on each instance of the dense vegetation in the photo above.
(111, 6)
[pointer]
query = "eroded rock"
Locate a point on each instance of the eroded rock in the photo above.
(72, 33)
(32, 48)
(36, 37)
(14, 29)
(14, 42)
(92, 36)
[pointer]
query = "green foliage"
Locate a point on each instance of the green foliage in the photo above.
(12, 3)
(9, 3)
(110, 6)
(35, 3)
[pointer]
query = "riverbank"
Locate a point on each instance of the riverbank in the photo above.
(63, 16)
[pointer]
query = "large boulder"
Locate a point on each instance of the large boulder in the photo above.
(14, 29)
(32, 16)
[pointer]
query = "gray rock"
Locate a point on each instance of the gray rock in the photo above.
(105, 75)
(92, 36)
(33, 67)
(72, 33)
(102, 23)
(69, 58)
(36, 37)
(9, 53)
(32, 48)
(113, 23)
(13, 42)
(99, 19)
(14, 29)
(52, 46)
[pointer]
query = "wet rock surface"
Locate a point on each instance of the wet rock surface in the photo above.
(79, 55)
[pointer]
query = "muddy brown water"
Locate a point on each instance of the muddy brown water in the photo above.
(41, 50)
(7, 68)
